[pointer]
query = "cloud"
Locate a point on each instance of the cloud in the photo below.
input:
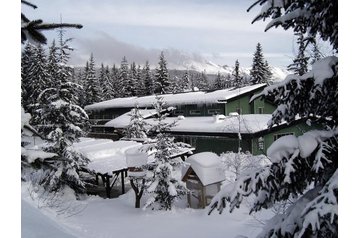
(109, 50)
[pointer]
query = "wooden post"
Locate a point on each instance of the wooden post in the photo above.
(108, 187)
(122, 178)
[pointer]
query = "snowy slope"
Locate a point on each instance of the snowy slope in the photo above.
(201, 65)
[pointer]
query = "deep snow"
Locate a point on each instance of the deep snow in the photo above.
(106, 218)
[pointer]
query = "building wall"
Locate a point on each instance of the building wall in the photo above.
(197, 110)
(258, 106)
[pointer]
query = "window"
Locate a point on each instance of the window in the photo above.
(178, 112)
(214, 111)
(238, 110)
(260, 110)
(261, 143)
(195, 112)
(276, 136)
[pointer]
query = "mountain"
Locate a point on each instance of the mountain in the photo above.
(278, 73)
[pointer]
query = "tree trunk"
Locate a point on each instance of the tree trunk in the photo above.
(138, 192)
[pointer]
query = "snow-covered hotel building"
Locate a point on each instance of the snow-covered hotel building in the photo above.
(209, 121)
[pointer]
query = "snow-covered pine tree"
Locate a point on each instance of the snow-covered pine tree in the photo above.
(105, 83)
(141, 90)
(228, 81)
(148, 80)
(185, 82)
(131, 85)
(218, 83)
(81, 79)
(125, 80)
(316, 54)
(300, 62)
(27, 59)
(162, 81)
(259, 68)
(137, 128)
(238, 79)
(38, 76)
(164, 186)
(202, 81)
(53, 64)
(108, 89)
(92, 87)
(61, 121)
(114, 78)
(268, 72)
(306, 166)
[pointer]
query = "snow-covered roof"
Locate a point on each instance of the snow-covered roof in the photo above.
(176, 99)
(246, 124)
(207, 167)
(123, 120)
(105, 156)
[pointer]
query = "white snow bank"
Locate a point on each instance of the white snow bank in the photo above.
(34, 224)
(208, 167)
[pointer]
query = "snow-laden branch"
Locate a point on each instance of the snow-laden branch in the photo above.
(302, 95)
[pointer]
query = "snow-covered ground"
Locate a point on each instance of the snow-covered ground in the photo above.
(105, 218)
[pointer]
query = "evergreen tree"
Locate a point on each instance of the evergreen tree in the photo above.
(238, 79)
(300, 62)
(148, 80)
(259, 71)
(227, 81)
(92, 87)
(140, 86)
(132, 85)
(64, 70)
(27, 60)
(164, 187)
(316, 54)
(218, 84)
(268, 73)
(32, 29)
(185, 82)
(53, 64)
(81, 79)
(38, 75)
(108, 89)
(117, 84)
(175, 85)
(124, 79)
(137, 128)
(162, 84)
(305, 167)
(202, 81)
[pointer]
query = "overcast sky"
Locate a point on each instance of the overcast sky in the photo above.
(217, 30)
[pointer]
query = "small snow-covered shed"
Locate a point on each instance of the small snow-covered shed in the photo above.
(203, 177)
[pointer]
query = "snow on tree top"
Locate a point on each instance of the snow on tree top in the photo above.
(207, 167)
(304, 144)
(199, 97)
